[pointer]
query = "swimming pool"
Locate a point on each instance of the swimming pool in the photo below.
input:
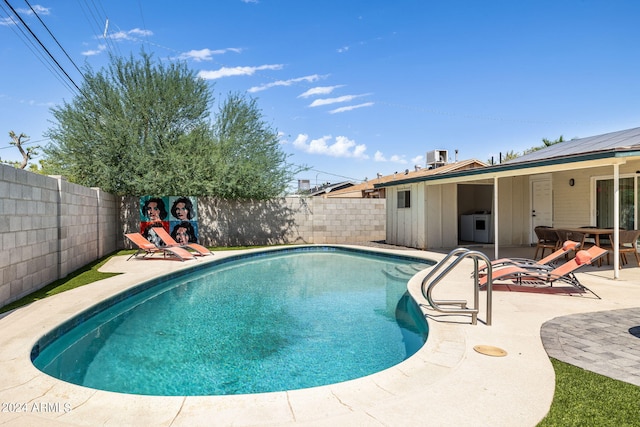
(271, 321)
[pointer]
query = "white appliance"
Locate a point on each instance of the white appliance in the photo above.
(482, 228)
(466, 228)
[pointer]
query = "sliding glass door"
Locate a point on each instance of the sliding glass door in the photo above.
(628, 203)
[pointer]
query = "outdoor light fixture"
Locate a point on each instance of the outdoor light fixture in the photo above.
(572, 182)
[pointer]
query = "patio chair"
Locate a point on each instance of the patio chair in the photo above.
(170, 242)
(536, 276)
(628, 245)
(574, 235)
(148, 248)
(547, 239)
(546, 262)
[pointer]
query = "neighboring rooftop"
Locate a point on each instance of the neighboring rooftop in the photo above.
(328, 187)
(367, 189)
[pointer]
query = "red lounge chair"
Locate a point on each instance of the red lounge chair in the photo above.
(148, 248)
(545, 262)
(538, 276)
(170, 242)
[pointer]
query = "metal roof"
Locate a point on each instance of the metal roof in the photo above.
(622, 140)
(575, 154)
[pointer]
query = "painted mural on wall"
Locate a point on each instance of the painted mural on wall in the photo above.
(178, 215)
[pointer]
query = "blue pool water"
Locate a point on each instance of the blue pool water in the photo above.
(277, 321)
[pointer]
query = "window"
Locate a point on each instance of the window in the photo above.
(404, 199)
(604, 203)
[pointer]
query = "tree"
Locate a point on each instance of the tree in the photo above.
(249, 163)
(132, 128)
(27, 154)
(546, 143)
(140, 127)
(510, 155)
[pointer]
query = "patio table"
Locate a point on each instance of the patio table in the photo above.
(590, 232)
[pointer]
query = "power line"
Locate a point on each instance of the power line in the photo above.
(26, 143)
(43, 46)
(333, 174)
(21, 34)
(97, 19)
(54, 38)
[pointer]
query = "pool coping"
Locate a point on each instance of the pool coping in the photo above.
(446, 381)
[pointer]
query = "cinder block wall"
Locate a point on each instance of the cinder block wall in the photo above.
(88, 219)
(48, 229)
(278, 221)
(339, 220)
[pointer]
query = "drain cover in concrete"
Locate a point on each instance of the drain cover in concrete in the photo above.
(490, 350)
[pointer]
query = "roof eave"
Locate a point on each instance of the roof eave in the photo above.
(508, 169)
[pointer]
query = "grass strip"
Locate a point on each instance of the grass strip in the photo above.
(584, 398)
(83, 276)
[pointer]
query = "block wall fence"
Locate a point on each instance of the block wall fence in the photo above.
(279, 221)
(50, 227)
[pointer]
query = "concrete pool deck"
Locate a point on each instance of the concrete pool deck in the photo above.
(446, 383)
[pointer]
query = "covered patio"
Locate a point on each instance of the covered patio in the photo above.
(587, 182)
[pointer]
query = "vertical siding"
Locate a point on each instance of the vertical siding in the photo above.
(449, 215)
(514, 211)
(434, 216)
(506, 200)
(572, 205)
(392, 217)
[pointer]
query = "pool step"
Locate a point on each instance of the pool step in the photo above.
(396, 274)
(404, 272)
(419, 266)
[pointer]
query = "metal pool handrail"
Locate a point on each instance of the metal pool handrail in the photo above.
(461, 254)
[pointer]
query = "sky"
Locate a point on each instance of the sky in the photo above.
(354, 88)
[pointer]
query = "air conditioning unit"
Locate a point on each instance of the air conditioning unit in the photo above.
(437, 158)
(304, 185)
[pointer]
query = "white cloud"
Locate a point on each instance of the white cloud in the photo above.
(398, 159)
(342, 147)
(320, 90)
(329, 101)
(33, 103)
(91, 52)
(418, 160)
(130, 35)
(289, 82)
(40, 10)
(380, 157)
(236, 71)
(350, 107)
(206, 54)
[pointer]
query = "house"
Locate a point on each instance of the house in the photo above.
(327, 188)
(372, 189)
(568, 184)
